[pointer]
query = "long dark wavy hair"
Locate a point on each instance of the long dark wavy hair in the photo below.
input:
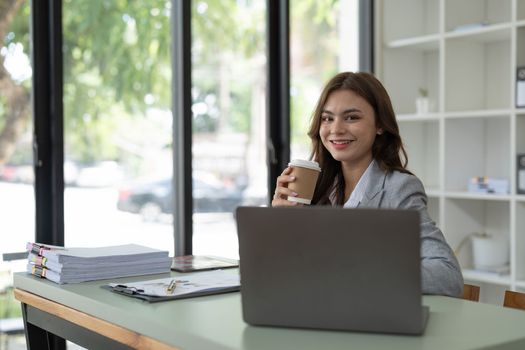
(387, 146)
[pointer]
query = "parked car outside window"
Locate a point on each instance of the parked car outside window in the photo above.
(153, 198)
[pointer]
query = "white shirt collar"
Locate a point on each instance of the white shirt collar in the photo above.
(359, 191)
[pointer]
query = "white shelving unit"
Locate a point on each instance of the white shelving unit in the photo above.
(464, 54)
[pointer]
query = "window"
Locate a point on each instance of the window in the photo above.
(228, 108)
(117, 123)
(323, 42)
(17, 225)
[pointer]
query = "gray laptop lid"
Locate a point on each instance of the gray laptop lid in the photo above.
(331, 268)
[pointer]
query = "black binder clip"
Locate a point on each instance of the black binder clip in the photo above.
(122, 288)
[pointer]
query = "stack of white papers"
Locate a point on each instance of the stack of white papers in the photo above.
(73, 265)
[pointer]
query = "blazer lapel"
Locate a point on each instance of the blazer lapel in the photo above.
(375, 188)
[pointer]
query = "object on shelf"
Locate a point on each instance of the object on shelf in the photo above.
(470, 26)
(520, 87)
(490, 252)
(423, 103)
(485, 184)
(520, 178)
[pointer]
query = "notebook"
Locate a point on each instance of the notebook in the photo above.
(189, 263)
(331, 268)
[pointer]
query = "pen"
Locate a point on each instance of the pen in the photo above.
(171, 286)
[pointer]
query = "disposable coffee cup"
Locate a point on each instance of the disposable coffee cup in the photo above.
(306, 173)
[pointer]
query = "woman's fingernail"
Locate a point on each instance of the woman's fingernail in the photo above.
(292, 178)
(294, 194)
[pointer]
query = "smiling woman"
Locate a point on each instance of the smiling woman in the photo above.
(356, 141)
(373, 130)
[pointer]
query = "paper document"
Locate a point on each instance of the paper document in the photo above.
(180, 286)
(75, 265)
(120, 253)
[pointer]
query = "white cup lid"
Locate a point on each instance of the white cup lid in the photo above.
(310, 164)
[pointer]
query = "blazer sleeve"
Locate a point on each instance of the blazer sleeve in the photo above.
(440, 270)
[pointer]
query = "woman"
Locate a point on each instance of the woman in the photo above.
(355, 139)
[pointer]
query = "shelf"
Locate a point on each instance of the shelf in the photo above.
(520, 11)
(486, 34)
(520, 55)
(464, 217)
(477, 75)
(465, 54)
(491, 113)
(405, 72)
(417, 117)
(519, 132)
(432, 192)
(497, 113)
(486, 277)
(466, 13)
(425, 23)
(423, 43)
(477, 196)
(520, 238)
(476, 147)
(520, 284)
(420, 139)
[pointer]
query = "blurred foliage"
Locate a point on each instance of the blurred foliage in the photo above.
(116, 56)
(9, 306)
(117, 66)
(316, 62)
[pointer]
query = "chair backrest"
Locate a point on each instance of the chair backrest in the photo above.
(14, 256)
(10, 325)
(471, 292)
(514, 300)
(7, 258)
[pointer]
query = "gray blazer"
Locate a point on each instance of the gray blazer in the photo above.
(440, 271)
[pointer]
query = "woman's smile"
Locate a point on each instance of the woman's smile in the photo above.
(341, 144)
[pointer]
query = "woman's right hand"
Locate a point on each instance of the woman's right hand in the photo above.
(282, 191)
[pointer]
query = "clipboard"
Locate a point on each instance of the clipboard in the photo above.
(179, 287)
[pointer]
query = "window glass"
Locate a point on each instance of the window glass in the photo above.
(228, 94)
(117, 123)
(17, 208)
(323, 42)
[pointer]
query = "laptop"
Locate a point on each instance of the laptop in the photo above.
(331, 268)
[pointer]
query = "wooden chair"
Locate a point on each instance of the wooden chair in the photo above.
(471, 292)
(514, 300)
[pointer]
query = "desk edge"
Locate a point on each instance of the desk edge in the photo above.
(94, 324)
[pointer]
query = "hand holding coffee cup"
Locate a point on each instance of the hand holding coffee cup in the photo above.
(297, 183)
